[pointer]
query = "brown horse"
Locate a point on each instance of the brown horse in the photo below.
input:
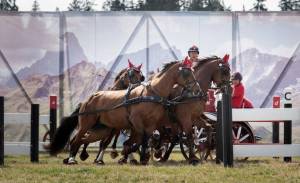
(131, 76)
(141, 117)
(189, 114)
(102, 135)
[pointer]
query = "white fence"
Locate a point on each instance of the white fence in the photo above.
(21, 148)
(266, 115)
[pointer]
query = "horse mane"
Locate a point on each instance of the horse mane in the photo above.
(205, 60)
(166, 67)
(120, 74)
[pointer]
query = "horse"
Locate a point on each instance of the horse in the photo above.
(131, 76)
(142, 117)
(189, 109)
(189, 113)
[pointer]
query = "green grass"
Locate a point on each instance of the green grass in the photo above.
(51, 169)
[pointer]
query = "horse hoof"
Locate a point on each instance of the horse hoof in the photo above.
(158, 154)
(84, 155)
(114, 154)
(69, 161)
(144, 163)
(122, 161)
(134, 162)
(194, 162)
(99, 162)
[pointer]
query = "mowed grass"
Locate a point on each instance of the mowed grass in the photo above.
(51, 169)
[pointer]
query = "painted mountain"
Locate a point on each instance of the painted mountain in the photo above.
(49, 64)
(81, 80)
(262, 70)
(157, 56)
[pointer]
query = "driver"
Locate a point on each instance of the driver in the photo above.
(193, 53)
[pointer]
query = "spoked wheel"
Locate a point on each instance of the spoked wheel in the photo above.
(159, 155)
(241, 133)
(199, 150)
(46, 137)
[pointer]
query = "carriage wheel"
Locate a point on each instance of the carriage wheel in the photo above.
(199, 151)
(241, 133)
(46, 137)
(163, 152)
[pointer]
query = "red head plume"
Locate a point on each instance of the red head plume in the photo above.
(226, 58)
(187, 63)
(130, 65)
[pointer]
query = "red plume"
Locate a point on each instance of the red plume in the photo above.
(130, 65)
(139, 67)
(187, 63)
(226, 58)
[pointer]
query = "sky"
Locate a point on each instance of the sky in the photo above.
(50, 5)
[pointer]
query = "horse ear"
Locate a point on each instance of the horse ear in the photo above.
(226, 58)
(187, 63)
(130, 65)
(139, 67)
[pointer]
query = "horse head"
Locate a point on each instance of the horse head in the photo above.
(134, 73)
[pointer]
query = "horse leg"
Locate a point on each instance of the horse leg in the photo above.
(114, 152)
(85, 123)
(192, 157)
(102, 146)
(99, 157)
(145, 154)
(189, 141)
(129, 146)
(125, 152)
(71, 159)
(84, 154)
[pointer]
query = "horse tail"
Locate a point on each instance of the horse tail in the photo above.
(63, 133)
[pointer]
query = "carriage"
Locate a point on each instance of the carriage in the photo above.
(242, 132)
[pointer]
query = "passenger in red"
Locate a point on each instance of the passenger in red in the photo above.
(246, 103)
(238, 92)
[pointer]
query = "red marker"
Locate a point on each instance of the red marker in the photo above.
(276, 102)
(53, 102)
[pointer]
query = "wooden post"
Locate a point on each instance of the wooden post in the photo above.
(219, 134)
(227, 127)
(34, 143)
(1, 130)
(53, 116)
(275, 125)
(287, 128)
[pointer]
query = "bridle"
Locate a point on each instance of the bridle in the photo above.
(225, 70)
(132, 76)
(133, 80)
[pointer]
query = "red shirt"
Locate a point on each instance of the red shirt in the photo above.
(237, 96)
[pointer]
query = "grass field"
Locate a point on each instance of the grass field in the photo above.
(51, 169)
